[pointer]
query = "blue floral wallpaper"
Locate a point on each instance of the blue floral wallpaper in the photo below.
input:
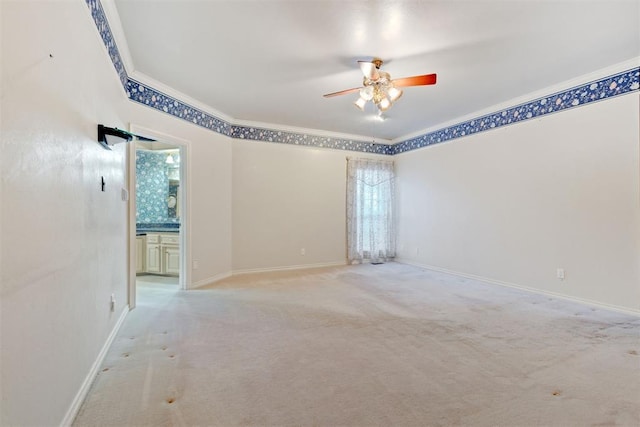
(152, 188)
(605, 88)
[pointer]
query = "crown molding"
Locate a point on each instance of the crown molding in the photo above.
(601, 74)
(146, 95)
(153, 84)
(615, 85)
(104, 30)
(140, 88)
(151, 97)
(113, 18)
(309, 140)
(310, 131)
(150, 92)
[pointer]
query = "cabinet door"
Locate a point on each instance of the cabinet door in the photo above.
(171, 260)
(139, 254)
(153, 259)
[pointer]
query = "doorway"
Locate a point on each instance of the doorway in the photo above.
(158, 214)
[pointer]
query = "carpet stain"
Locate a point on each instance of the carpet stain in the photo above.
(362, 352)
(125, 354)
(105, 369)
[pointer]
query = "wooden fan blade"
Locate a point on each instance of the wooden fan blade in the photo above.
(342, 92)
(427, 79)
(369, 70)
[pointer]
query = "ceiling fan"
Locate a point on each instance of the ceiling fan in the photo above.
(378, 87)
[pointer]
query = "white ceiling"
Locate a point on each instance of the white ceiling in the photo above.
(270, 61)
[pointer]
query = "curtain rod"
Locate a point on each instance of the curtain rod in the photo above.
(369, 160)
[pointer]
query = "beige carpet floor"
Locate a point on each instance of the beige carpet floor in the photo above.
(387, 345)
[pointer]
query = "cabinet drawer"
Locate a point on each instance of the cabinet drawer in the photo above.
(153, 238)
(169, 239)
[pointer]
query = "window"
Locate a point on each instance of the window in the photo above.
(370, 206)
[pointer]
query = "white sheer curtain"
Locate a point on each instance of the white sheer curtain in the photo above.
(370, 206)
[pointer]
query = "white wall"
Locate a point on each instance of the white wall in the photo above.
(63, 240)
(516, 203)
(511, 205)
(286, 198)
(209, 170)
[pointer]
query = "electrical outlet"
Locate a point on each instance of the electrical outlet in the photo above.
(303, 251)
(560, 273)
(196, 264)
(113, 302)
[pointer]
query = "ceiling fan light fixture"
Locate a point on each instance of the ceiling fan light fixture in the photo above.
(378, 87)
(369, 69)
(384, 104)
(366, 93)
(394, 94)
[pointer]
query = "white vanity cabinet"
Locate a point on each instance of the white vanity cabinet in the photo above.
(163, 253)
(152, 261)
(170, 249)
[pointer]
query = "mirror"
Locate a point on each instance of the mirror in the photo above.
(173, 208)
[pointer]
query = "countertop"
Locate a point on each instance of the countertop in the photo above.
(144, 228)
(144, 231)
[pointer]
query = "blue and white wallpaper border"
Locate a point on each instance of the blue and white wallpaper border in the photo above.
(146, 95)
(102, 24)
(295, 138)
(597, 90)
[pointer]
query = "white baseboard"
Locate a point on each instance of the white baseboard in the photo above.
(598, 304)
(210, 280)
(86, 385)
(288, 267)
(221, 276)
